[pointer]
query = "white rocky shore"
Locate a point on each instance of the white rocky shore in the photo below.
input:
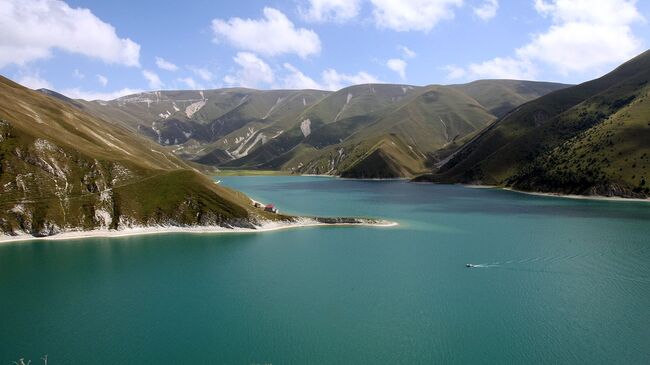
(581, 197)
(265, 226)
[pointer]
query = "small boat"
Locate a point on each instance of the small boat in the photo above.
(470, 266)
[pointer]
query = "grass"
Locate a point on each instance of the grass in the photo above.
(183, 196)
(587, 139)
(61, 167)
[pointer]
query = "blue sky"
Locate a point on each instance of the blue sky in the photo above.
(104, 49)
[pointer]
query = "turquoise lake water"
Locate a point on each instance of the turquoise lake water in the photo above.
(563, 281)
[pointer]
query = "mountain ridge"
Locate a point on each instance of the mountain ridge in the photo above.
(571, 141)
(302, 131)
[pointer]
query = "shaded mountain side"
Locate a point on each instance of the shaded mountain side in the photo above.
(62, 169)
(213, 158)
(587, 139)
(612, 158)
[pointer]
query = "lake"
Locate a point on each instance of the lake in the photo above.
(560, 281)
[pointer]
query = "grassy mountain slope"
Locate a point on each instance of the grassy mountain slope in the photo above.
(307, 130)
(388, 157)
(406, 132)
(501, 96)
(198, 122)
(359, 102)
(436, 116)
(62, 169)
(587, 139)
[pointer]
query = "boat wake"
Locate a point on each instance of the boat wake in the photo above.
(530, 260)
(572, 265)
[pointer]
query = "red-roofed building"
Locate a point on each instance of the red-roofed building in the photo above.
(271, 208)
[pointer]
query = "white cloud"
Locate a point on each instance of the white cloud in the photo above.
(34, 81)
(273, 35)
(496, 68)
(30, 29)
(77, 74)
(503, 68)
(397, 65)
(153, 79)
(331, 10)
(103, 80)
(408, 15)
(333, 80)
(487, 10)
(586, 38)
(298, 80)
(252, 72)
(586, 35)
(203, 73)
(76, 93)
(454, 72)
(191, 83)
(163, 64)
(407, 52)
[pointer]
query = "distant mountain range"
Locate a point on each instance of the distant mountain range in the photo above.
(365, 131)
(589, 139)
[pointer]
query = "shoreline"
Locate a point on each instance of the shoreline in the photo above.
(338, 177)
(549, 195)
(268, 226)
(578, 197)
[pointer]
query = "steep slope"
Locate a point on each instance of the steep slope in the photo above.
(62, 169)
(588, 139)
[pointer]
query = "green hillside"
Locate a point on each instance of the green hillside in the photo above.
(311, 131)
(405, 134)
(421, 119)
(62, 169)
(501, 96)
(588, 139)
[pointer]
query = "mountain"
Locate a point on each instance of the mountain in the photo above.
(374, 130)
(397, 140)
(63, 169)
(199, 122)
(591, 139)
(390, 131)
